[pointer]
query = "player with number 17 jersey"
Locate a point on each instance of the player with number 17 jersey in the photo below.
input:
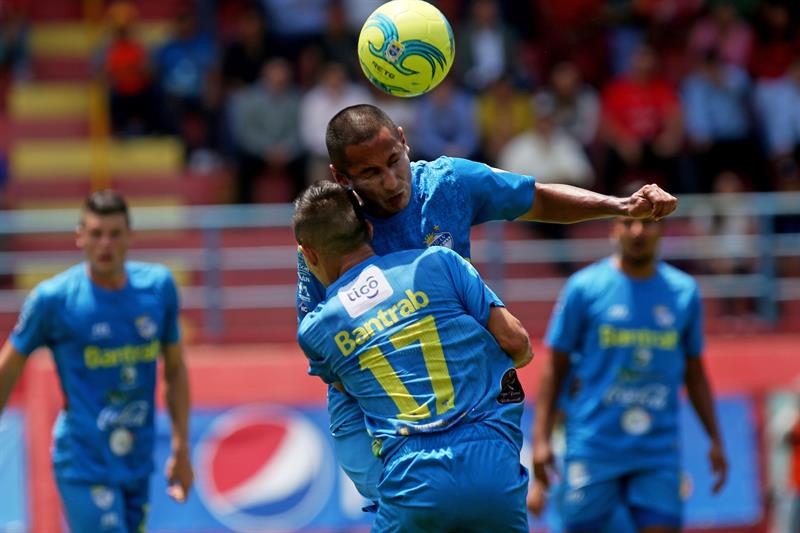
(448, 197)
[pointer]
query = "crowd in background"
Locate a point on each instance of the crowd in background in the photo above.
(699, 95)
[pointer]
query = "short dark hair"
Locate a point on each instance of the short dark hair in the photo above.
(327, 218)
(106, 202)
(354, 125)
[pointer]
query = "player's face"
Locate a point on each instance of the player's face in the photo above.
(380, 172)
(637, 239)
(104, 240)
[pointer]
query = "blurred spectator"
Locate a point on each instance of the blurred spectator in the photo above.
(251, 46)
(725, 31)
(446, 123)
(715, 103)
(297, 23)
(642, 126)
(265, 126)
(127, 72)
(186, 67)
(777, 104)
(728, 225)
(485, 47)
(339, 42)
(503, 113)
(577, 104)
(358, 11)
(551, 155)
(546, 151)
(575, 30)
(14, 42)
(334, 92)
(776, 43)
(402, 111)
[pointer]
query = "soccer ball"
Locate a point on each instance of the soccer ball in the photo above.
(406, 47)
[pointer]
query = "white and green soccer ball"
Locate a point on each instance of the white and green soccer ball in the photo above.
(406, 47)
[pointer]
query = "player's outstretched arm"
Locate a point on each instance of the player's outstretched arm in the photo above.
(565, 204)
(176, 391)
(702, 399)
(11, 365)
(510, 335)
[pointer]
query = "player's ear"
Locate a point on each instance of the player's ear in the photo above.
(311, 257)
(401, 135)
(370, 229)
(79, 237)
(339, 177)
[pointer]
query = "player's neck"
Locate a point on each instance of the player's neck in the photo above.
(111, 281)
(635, 269)
(350, 260)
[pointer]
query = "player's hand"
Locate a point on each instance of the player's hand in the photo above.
(537, 497)
(180, 476)
(651, 201)
(543, 463)
(719, 465)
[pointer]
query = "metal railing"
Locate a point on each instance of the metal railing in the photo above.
(763, 247)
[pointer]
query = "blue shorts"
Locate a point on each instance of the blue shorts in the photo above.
(593, 490)
(105, 508)
(467, 479)
(352, 445)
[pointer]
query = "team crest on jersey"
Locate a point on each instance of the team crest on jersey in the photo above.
(577, 475)
(618, 312)
(663, 316)
(146, 327)
(439, 238)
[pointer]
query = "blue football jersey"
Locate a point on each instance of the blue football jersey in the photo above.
(449, 196)
(628, 339)
(105, 344)
(406, 335)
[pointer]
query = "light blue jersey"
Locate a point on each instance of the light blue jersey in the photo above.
(406, 335)
(629, 339)
(105, 344)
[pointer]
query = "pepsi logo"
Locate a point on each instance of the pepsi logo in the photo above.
(264, 468)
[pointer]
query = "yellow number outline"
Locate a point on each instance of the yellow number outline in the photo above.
(425, 332)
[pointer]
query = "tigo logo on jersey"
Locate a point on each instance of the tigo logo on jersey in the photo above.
(368, 290)
(263, 468)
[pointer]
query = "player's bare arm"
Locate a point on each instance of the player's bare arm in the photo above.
(11, 365)
(176, 391)
(510, 335)
(555, 371)
(565, 204)
(702, 399)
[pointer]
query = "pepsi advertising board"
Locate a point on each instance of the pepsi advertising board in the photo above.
(264, 468)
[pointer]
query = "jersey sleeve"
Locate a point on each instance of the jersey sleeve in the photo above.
(495, 194)
(693, 334)
(317, 366)
(310, 291)
(566, 322)
(475, 295)
(172, 332)
(31, 329)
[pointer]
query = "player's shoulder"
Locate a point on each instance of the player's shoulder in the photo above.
(676, 277)
(591, 275)
(61, 283)
(431, 176)
(142, 274)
